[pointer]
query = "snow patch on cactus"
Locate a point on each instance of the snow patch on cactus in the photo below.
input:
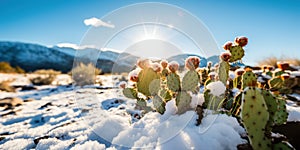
(216, 88)
(197, 99)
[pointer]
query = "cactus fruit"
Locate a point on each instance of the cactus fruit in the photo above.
(227, 45)
(146, 76)
(173, 66)
(281, 114)
(190, 81)
(283, 65)
(241, 41)
(159, 104)
(237, 53)
(183, 100)
(255, 116)
(192, 62)
(173, 82)
(249, 79)
(130, 93)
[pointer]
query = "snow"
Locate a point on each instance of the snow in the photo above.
(216, 88)
(94, 117)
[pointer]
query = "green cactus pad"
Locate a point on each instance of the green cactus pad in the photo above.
(237, 53)
(255, 116)
(159, 104)
(249, 79)
(190, 81)
(278, 73)
(154, 87)
(237, 102)
(223, 71)
(237, 82)
(275, 83)
(165, 94)
(146, 76)
(142, 105)
(282, 146)
(281, 114)
(130, 93)
(173, 82)
(183, 101)
(271, 102)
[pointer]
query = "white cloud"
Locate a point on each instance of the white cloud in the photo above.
(95, 22)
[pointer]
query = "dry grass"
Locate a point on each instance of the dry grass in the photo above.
(5, 86)
(273, 61)
(85, 74)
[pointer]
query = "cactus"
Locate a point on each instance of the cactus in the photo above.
(223, 71)
(165, 94)
(154, 87)
(272, 103)
(130, 93)
(183, 100)
(190, 81)
(282, 146)
(281, 114)
(173, 82)
(255, 116)
(275, 83)
(237, 53)
(249, 79)
(146, 76)
(159, 104)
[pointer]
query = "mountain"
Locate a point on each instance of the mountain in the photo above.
(32, 57)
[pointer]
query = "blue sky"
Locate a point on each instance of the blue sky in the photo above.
(272, 26)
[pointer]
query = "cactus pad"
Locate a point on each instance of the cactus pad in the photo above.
(223, 71)
(130, 93)
(154, 87)
(248, 79)
(282, 146)
(276, 83)
(159, 104)
(146, 76)
(165, 94)
(255, 117)
(237, 53)
(190, 81)
(281, 114)
(271, 102)
(183, 101)
(173, 82)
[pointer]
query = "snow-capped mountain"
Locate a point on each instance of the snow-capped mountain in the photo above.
(31, 57)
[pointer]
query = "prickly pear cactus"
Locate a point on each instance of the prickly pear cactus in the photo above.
(165, 94)
(159, 104)
(190, 81)
(282, 146)
(237, 82)
(146, 76)
(130, 93)
(154, 87)
(164, 73)
(223, 71)
(281, 114)
(237, 53)
(255, 116)
(183, 100)
(275, 83)
(173, 82)
(249, 79)
(271, 102)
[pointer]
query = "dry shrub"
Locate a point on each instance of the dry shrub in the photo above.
(273, 61)
(5, 67)
(46, 76)
(84, 74)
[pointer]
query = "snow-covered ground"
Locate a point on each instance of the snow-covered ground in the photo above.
(97, 117)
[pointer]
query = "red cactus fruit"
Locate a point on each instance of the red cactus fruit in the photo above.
(225, 56)
(283, 65)
(241, 41)
(164, 63)
(173, 66)
(192, 62)
(227, 45)
(143, 63)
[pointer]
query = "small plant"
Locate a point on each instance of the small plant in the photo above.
(85, 74)
(45, 77)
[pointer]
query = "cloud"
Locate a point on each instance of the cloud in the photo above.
(95, 22)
